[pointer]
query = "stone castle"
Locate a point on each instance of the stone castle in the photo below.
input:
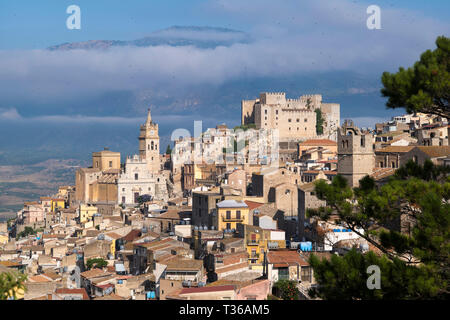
(294, 118)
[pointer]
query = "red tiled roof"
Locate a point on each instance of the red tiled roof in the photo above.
(132, 235)
(253, 205)
(73, 291)
(318, 142)
(206, 289)
(285, 257)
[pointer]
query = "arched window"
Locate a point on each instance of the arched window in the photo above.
(152, 145)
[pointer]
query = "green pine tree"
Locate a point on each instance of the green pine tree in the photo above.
(424, 87)
(413, 265)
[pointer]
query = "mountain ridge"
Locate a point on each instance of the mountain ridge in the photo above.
(201, 37)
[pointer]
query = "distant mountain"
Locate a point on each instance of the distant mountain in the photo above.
(201, 37)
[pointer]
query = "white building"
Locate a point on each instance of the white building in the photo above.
(136, 180)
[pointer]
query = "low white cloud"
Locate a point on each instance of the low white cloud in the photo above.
(291, 38)
(9, 114)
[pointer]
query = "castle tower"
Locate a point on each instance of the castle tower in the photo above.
(356, 158)
(149, 144)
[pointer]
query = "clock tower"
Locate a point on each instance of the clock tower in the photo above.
(149, 144)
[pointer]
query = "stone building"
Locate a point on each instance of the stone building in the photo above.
(307, 199)
(356, 158)
(294, 118)
(149, 144)
(136, 180)
(436, 154)
(99, 182)
(433, 135)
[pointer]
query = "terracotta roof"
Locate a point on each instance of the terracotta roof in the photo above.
(180, 263)
(435, 151)
(94, 273)
(132, 235)
(318, 142)
(207, 289)
(170, 214)
(285, 258)
(253, 205)
(113, 235)
(236, 266)
(111, 296)
(395, 149)
(81, 291)
(40, 278)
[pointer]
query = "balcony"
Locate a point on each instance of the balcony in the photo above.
(254, 256)
(252, 243)
(231, 219)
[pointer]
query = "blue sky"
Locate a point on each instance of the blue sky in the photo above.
(69, 103)
(31, 24)
(301, 47)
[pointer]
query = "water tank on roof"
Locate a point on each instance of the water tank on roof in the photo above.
(101, 237)
(364, 247)
(144, 230)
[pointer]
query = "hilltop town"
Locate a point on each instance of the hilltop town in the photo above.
(220, 215)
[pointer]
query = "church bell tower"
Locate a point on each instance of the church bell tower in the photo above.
(149, 144)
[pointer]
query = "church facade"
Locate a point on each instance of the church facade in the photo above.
(142, 174)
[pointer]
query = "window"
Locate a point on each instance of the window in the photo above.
(265, 111)
(363, 141)
(229, 226)
(283, 273)
(110, 164)
(276, 111)
(238, 214)
(298, 120)
(306, 120)
(152, 145)
(136, 176)
(289, 120)
(306, 274)
(96, 164)
(228, 214)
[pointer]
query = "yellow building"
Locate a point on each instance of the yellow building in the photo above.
(258, 241)
(230, 213)
(58, 203)
(86, 212)
(4, 238)
(106, 160)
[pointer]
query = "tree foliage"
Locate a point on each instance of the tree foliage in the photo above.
(10, 284)
(319, 122)
(424, 87)
(168, 149)
(416, 262)
(287, 289)
(96, 263)
(26, 232)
